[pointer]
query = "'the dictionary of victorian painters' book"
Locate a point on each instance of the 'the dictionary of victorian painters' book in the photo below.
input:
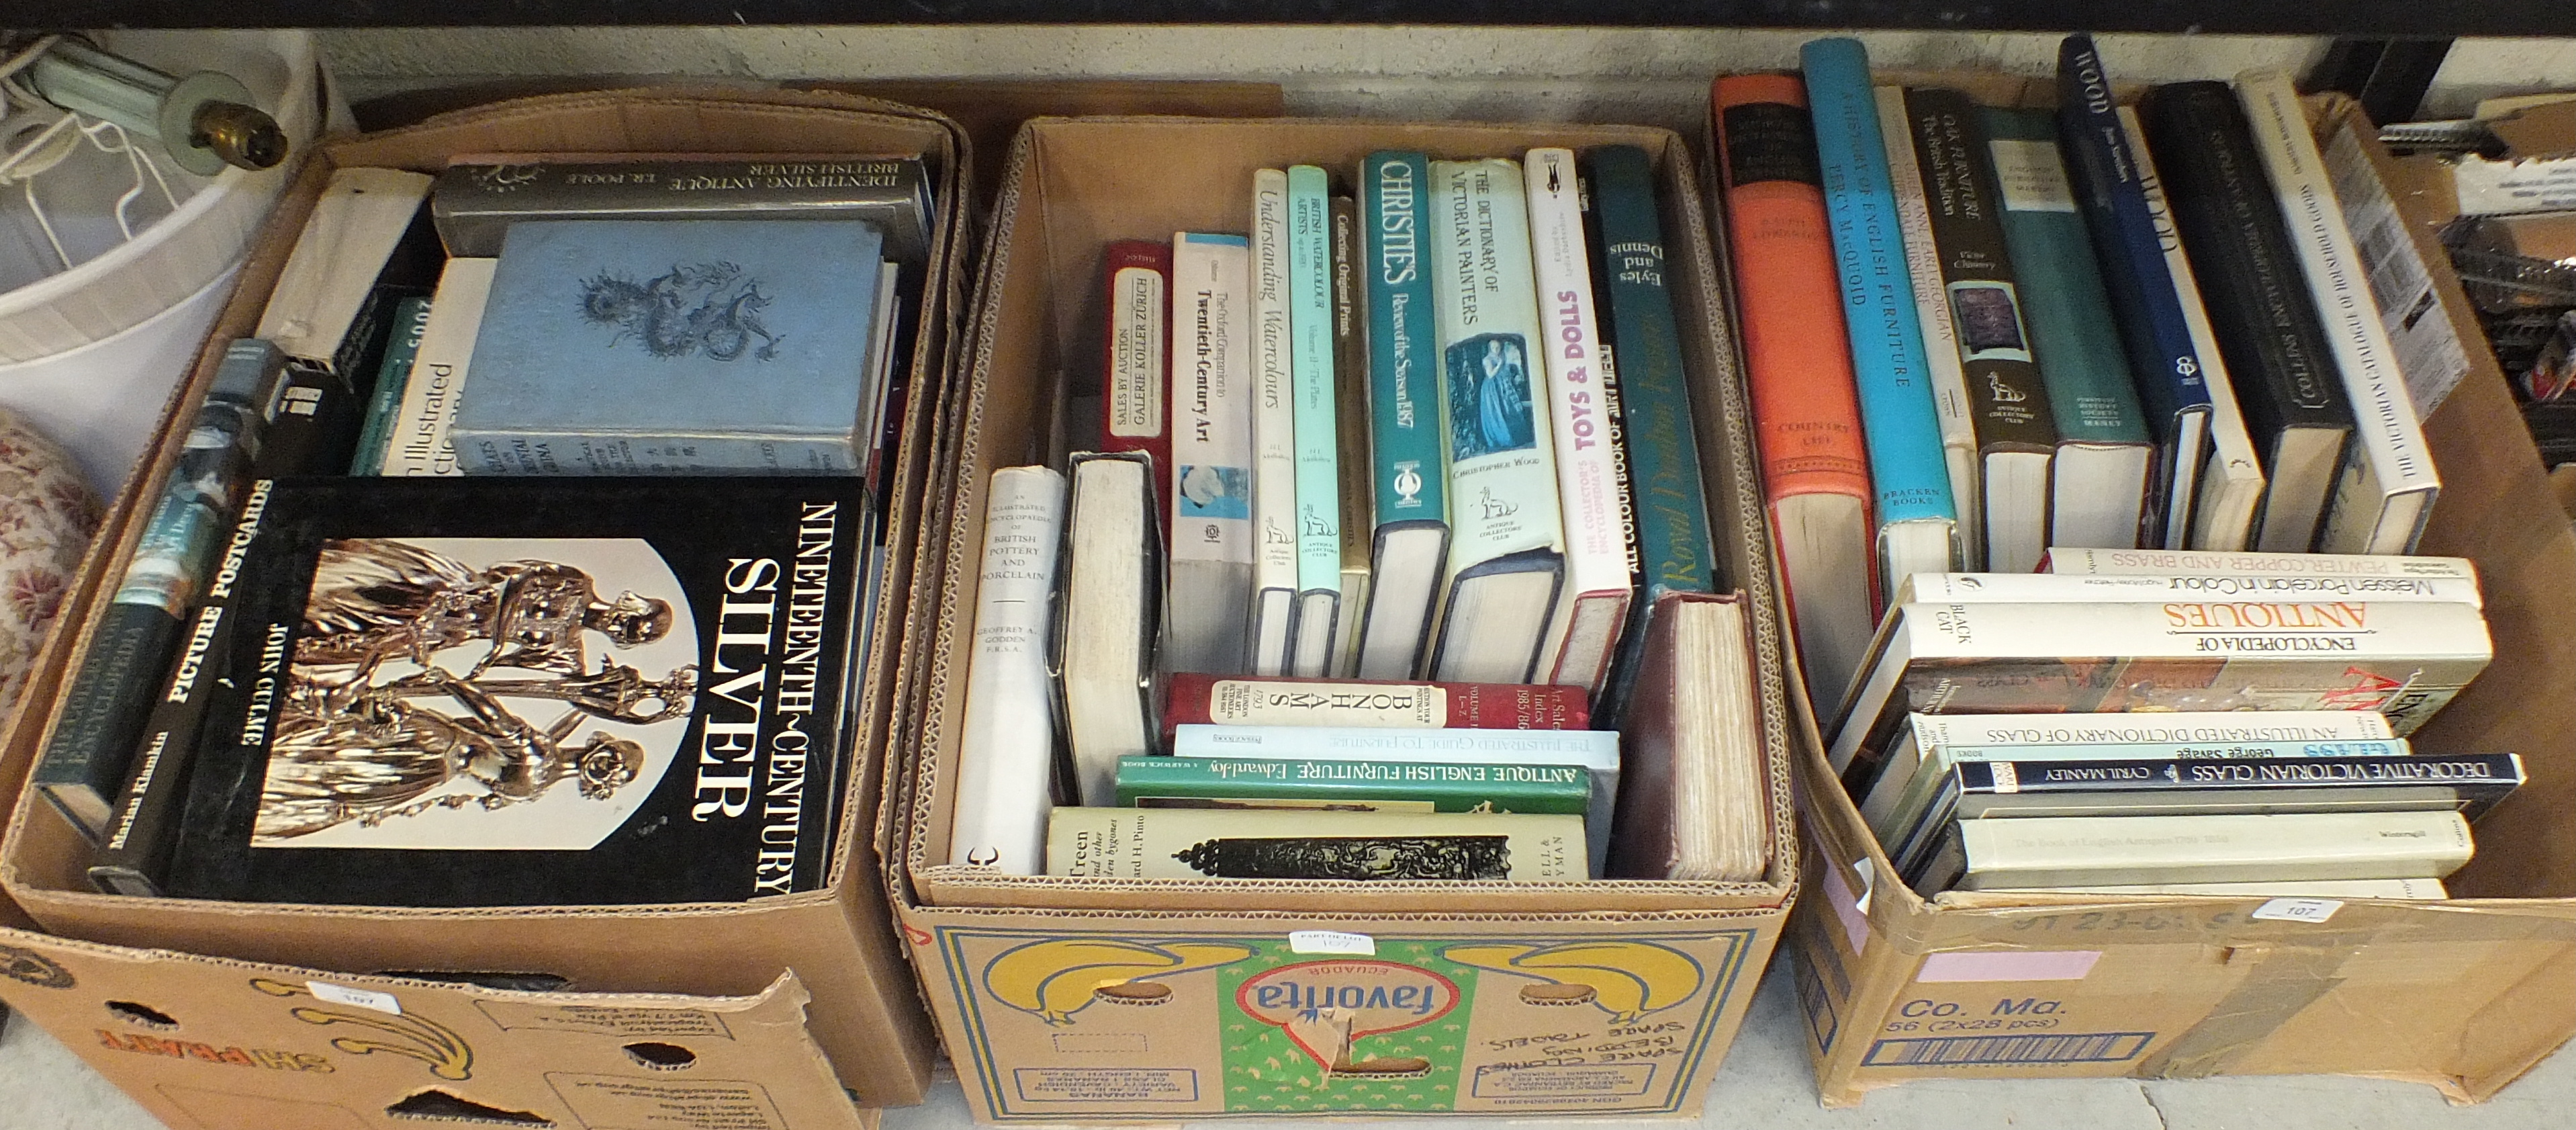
(492, 693)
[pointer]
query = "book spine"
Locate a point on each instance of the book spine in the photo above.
(2052, 588)
(384, 404)
(1408, 451)
(1211, 475)
(1502, 459)
(1007, 748)
(314, 428)
(1274, 428)
(1896, 403)
(2106, 174)
(559, 453)
(1136, 371)
(1354, 466)
(421, 443)
(1208, 699)
(2066, 850)
(134, 853)
(1349, 741)
(1598, 532)
(2178, 753)
(1342, 786)
(1643, 346)
(2231, 483)
(1182, 843)
(2391, 462)
(2110, 561)
(2481, 778)
(2090, 393)
(1949, 380)
(1318, 475)
(2198, 729)
(475, 204)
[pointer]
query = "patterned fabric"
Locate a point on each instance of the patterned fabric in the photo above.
(47, 515)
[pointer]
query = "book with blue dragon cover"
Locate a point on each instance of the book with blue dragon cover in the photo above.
(519, 692)
(617, 347)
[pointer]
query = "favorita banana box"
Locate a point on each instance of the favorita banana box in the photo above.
(1084, 1000)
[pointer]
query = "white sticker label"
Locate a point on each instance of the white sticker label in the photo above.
(2032, 177)
(2297, 910)
(2007, 777)
(1255, 702)
(1332, 941)
(1136, 344)
(354, 998)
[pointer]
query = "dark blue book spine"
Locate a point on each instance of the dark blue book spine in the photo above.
(2109, 185)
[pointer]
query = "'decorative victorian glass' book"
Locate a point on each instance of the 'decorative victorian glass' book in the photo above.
(503, 693)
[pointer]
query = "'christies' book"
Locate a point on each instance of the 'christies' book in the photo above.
(499, 692)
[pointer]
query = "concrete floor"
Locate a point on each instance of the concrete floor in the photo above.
(1764, 1084)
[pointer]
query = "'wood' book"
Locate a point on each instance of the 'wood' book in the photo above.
(503, 693)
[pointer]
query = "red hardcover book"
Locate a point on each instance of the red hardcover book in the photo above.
(1136, 375)
(1232, 700)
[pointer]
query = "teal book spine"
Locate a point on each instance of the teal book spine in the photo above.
(411, 319)
(1905, 459)
(2081, 360)
(1392, 784)
(1675, 550)
(1403, 342)
(1310, 360)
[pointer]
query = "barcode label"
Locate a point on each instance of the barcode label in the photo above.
(2429, 354)
(1971, 1051)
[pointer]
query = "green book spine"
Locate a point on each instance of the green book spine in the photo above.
(1403, 341)
(1193, 782)
(1310, 362)
(2081, 361)
(411, 319)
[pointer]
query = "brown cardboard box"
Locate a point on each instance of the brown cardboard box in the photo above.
(2463, 995)
(836, 942)
(1091, 999)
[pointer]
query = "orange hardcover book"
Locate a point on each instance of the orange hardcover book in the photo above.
(1806, 415)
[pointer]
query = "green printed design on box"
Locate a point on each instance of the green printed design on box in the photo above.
(1307, 1033)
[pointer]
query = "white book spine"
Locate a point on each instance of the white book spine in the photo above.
(1501, 500)
(1005, 757)
(2062, 588)
(1211, 496)
(2231, 484)
(1940, 333)
(2117, 561)
(2386, 492)
(1585, 632)
(1934, 731)
(346, 240)
(2315, 888)
(1274, 429)
(420, 444)
(2062, 851)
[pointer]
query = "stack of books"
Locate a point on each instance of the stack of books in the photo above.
(2173, 721)
(585, 631)
(1419, 455)
(2105, 327)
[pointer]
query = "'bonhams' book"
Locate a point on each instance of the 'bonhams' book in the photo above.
(614, 347)
(1331, 702)
(501, 693)
(1183, 843)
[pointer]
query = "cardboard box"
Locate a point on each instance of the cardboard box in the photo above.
(834, 946)
(2463, 995)
(1094, 1000)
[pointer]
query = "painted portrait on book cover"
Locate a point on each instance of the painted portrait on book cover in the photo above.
(1489, 396)
(479, 693)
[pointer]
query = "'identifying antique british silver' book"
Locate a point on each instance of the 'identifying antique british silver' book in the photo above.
(480, 196)
(616, 347)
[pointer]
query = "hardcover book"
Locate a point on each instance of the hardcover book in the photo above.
(1385, 705)
(1136, 371)
(1210, 496)
(1641, 341)
(1916, 513)
(1312, 645)
(501, 693)
(2114, 850)
(477, 200)
(1353, 464)
(2354, 565)
(1582, 403)
(2131, 240)
(2103, 449)
(1350, 786)
(2469, 784)
(1274, 430)
(1507, 557)
(1806, 418)
(366, 222)
(625, 347)
(1107, 608)
(1949, 380)
(1408, 459)
(1006, 751)
(393, 378)
(421, 442)
(1185, 843)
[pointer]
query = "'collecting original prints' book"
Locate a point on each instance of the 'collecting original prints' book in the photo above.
(489, 693)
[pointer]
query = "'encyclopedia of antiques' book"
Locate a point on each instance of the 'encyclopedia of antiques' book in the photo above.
(524, 692)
